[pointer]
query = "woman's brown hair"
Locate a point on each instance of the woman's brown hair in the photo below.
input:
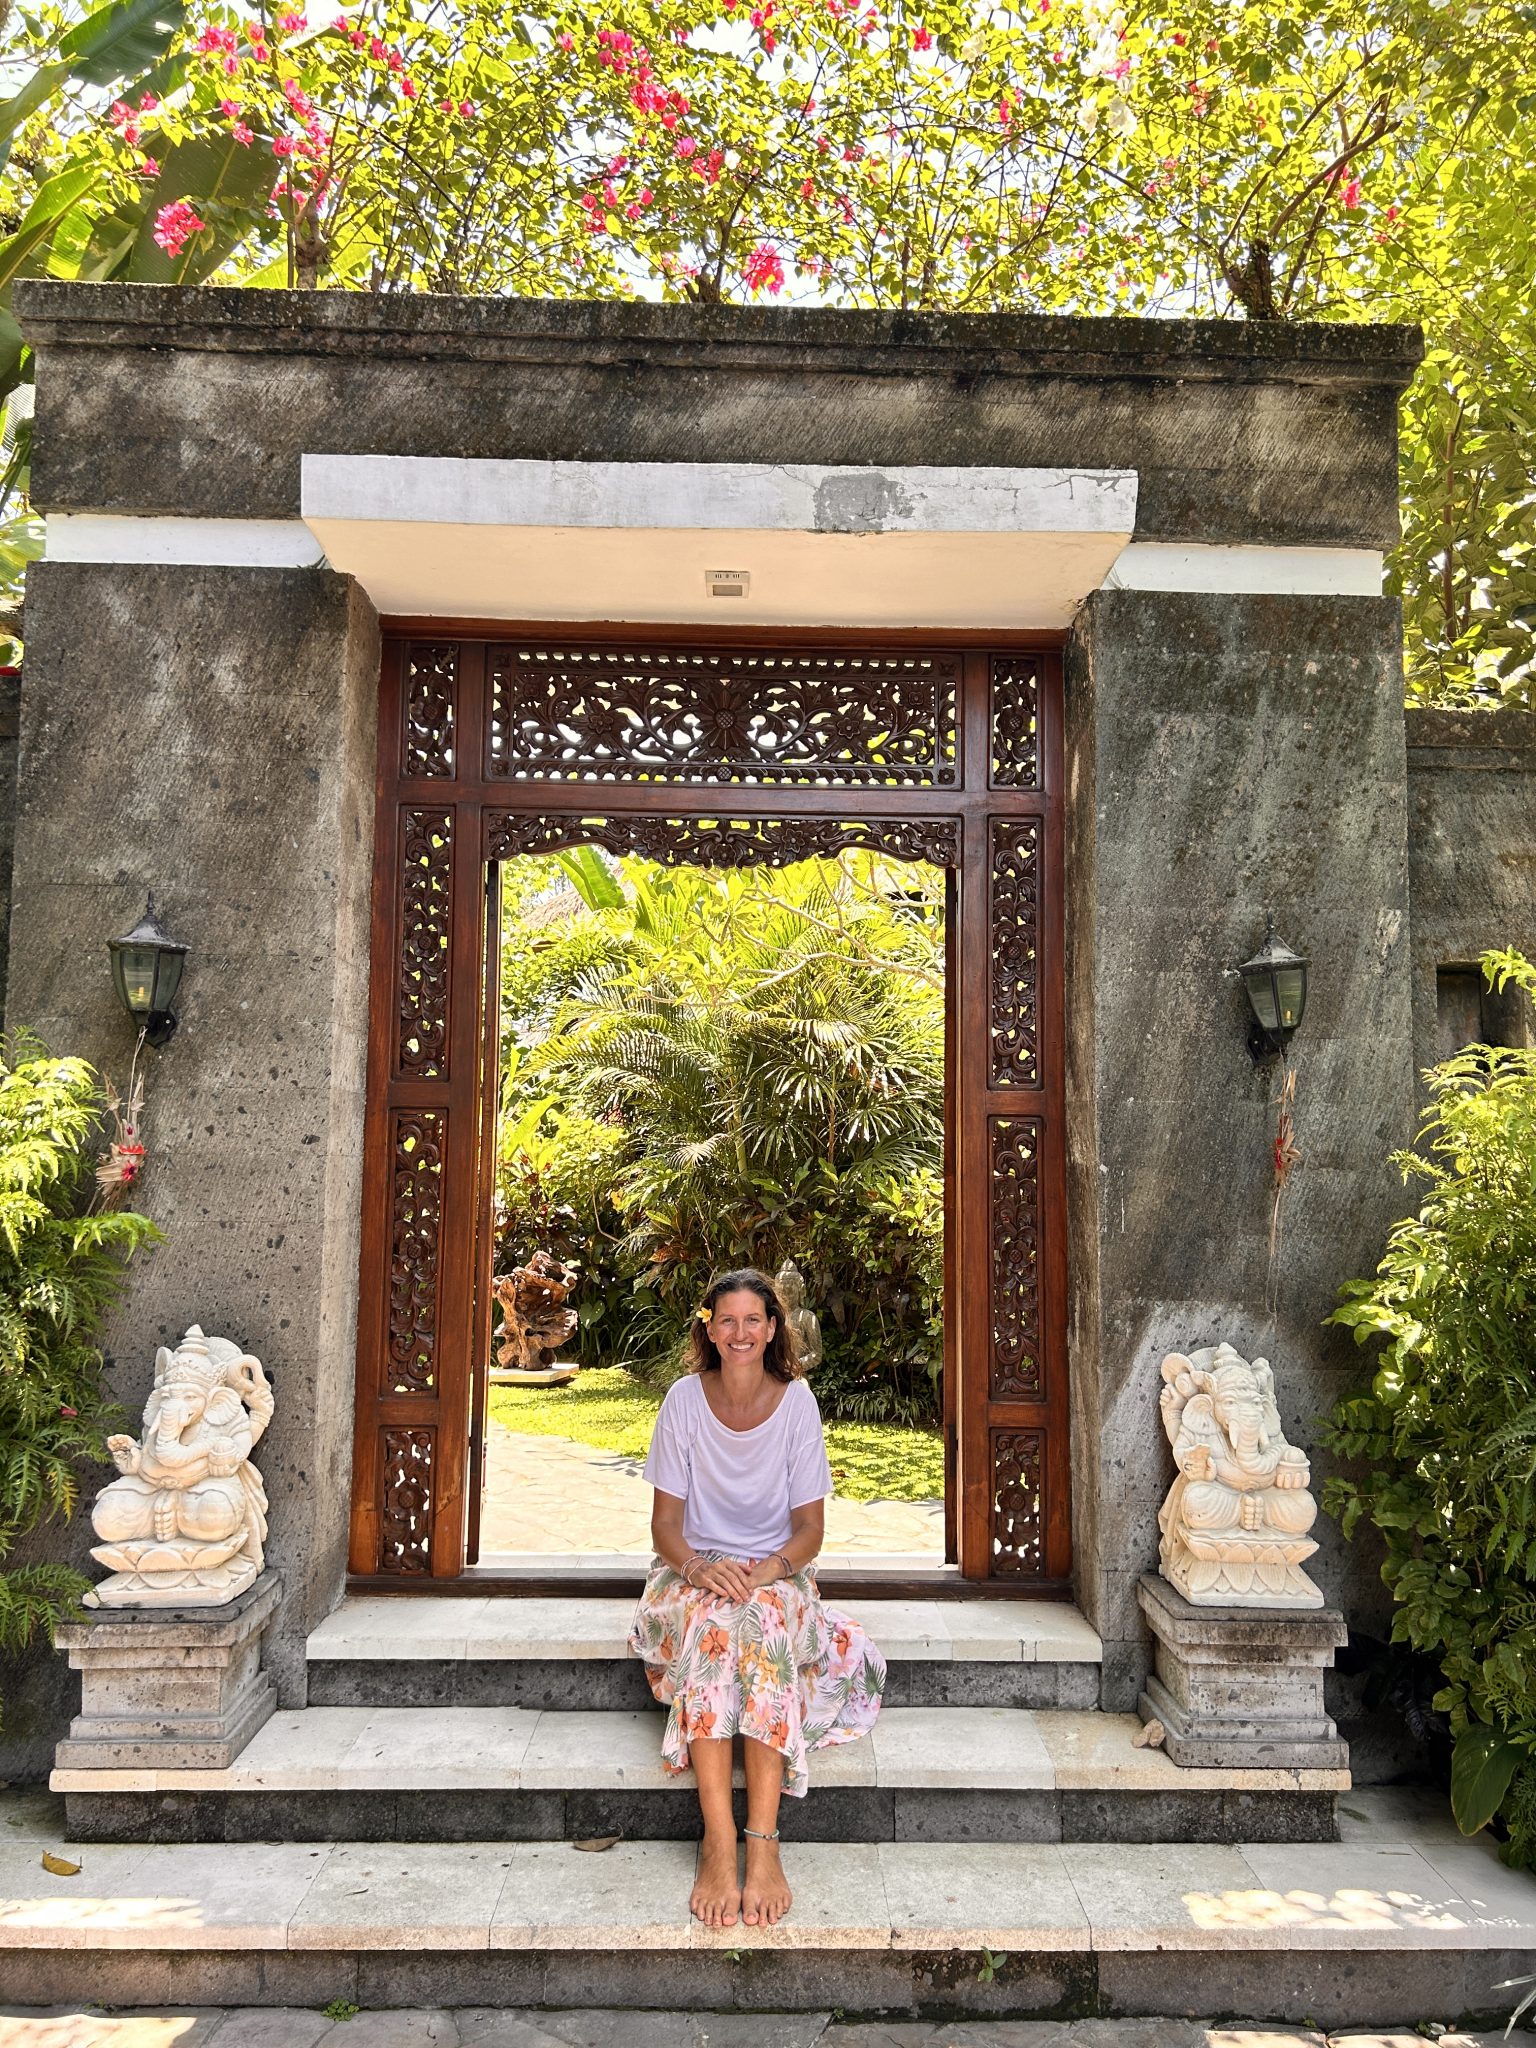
(781, 1359)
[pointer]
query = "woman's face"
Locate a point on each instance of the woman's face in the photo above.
(741, 1328)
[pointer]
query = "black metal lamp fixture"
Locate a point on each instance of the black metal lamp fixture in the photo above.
(146, 968)
(1276, 983)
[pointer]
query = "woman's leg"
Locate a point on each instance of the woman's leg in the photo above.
(766, 1895)
(716, 1894)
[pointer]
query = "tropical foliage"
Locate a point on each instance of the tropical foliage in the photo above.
(710, 1069)
(1301, 159)
(1444, 1438)
(60, 1268)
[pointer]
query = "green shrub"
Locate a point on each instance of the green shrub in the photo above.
(721, 1069)
(1447, 1428)
(60, 1268)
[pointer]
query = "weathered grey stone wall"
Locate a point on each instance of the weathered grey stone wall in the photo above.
(159, 400)
(209, 735)
(1471, 846)
(1224, 755)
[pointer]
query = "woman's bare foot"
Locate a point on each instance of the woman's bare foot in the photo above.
(766, 1896)
(716, 1894)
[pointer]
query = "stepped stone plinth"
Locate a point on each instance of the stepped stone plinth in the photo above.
(1241, 1688)
(170, 1688)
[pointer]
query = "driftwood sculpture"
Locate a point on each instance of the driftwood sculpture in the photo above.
(535, 1320)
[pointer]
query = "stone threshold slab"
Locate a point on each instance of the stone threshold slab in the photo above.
(1049, 1900)
(448, 1627)
(503, 1749)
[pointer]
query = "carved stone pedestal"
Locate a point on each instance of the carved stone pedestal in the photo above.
(168, 1688)
(1241, 1688)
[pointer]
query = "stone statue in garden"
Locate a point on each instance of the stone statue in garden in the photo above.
(185, 1523)
(535, 1319)
(789, 1285)
(1234, 1525)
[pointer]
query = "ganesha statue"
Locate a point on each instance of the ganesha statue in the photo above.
(185, 1523)
(1234, 1525)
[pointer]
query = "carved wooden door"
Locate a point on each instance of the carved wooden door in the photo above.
(737, 754)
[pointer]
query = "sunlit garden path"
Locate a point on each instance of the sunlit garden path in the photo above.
(563, 1475)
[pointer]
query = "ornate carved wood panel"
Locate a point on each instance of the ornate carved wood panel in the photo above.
(500, 746)
(724, 842)
(716, 714)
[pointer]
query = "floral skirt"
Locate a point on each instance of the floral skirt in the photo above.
(780, 1667)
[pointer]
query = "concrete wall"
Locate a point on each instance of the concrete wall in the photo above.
(1471, 851)
(1224, 755)
(207, 732)
(210, 736)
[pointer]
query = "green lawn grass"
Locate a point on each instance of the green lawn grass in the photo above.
(607, 1409)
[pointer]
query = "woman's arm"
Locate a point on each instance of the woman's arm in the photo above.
(807, 1532)
(724, 1575)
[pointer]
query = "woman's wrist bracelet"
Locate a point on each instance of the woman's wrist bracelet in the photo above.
(688, 1565)
(783, 1557)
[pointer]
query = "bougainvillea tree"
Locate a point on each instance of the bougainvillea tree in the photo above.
(1336, 159)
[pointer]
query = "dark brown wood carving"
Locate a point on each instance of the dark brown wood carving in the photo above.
(430, 711)
(426, 884)
(1015, 722)
(415, 1247)
(725, 842)
(407, 1505)
(731, 756)
(560, 711)
(1015, 873)
(1015, 1145)
(1018, 1507)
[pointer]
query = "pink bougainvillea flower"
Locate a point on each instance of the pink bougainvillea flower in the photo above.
(466, 110)
(176, 224)
(282, 145)
(1179, 39)
(763, 270)
(408, 88)
(922, 39)
(242, 134)
(566, 42)
(1352, 194)
(684, 147)
(148, 169)
(292, 24)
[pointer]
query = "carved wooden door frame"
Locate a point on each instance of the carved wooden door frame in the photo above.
(725, 750)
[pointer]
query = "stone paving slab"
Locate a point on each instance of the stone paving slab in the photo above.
(1326, 1900)
(438, 1628)
(497, 2027)
(442, 1749)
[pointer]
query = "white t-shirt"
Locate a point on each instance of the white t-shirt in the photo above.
(739, 1484)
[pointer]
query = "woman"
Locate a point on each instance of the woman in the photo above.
(734, 1636)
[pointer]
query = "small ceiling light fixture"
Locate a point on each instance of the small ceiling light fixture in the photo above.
(1276, 983)
(146, 969)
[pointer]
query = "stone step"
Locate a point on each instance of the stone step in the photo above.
(571, 1653)
(459, 1774)
(1401, 1916)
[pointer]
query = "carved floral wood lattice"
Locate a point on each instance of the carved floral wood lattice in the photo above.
(631, 747)
(739, 715)
(415, 1247)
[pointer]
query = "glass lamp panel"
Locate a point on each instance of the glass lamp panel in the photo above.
(1261, 994)
(167, 978)
(1290, 995)
(136, 977)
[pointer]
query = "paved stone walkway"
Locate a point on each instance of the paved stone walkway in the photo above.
(476, 2027)
(549, 1496)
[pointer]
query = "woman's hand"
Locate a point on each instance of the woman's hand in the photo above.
(727, 1576)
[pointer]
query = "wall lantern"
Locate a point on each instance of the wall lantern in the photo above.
(1276, 983)
(146, 967)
